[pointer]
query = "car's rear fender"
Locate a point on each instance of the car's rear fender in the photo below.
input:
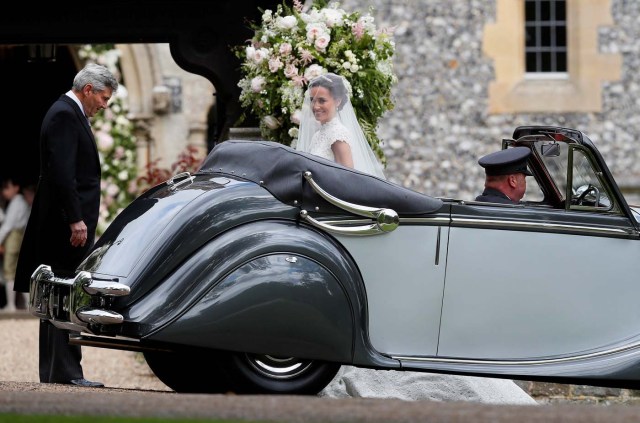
(158, 232)
(269, 287)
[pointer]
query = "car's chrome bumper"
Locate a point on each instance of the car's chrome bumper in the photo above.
(74, 304)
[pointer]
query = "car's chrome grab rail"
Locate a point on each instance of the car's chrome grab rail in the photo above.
(386, 220)
(172, 184)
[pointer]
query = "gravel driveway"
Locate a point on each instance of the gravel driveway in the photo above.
(132, 390)
(114, 368)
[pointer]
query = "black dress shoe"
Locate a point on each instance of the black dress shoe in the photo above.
(86, 383)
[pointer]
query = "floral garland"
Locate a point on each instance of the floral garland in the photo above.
(290, 47)
(115, 140)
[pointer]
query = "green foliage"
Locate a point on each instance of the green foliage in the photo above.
(291, 46)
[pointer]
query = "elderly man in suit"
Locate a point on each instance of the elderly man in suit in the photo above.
(506, 172)
(64, 215)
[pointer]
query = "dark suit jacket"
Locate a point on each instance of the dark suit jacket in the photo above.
(68, 191)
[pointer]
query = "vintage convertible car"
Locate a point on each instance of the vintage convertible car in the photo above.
(268, 269)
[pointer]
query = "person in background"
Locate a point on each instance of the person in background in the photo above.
(29, 193)
(506, 172)
(11, 232)
(62, 225)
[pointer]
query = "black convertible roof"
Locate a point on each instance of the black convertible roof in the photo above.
(280, 169)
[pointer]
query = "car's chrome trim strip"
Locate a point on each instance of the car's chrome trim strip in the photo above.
(519, 362)
(430, 220)
(502, 223)
(539, 225)
(439, 220)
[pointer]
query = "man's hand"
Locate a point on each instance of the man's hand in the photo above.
(78, 234)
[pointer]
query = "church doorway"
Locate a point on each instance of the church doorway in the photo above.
(30, 88)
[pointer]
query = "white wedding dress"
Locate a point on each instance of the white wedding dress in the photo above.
(329, 133)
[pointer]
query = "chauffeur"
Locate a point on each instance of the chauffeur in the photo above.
(506, 173)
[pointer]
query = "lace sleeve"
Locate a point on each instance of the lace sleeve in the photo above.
(339, 132)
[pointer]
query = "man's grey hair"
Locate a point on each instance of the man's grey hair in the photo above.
(96, 75)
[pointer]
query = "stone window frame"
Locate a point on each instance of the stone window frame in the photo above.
(579, 90)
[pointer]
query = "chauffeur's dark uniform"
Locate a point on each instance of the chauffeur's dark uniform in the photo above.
(68, 191)
(494, 196)
(503, 162)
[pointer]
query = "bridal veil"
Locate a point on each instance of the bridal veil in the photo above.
(364, 159)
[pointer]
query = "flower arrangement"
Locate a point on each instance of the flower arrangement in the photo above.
(188, 161)
(116, 142)
(290, 47)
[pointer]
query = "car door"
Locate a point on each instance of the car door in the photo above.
(403, 273)
(529, 283)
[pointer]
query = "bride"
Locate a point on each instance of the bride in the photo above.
(329, 127)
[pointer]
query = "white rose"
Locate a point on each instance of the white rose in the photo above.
(333, 17)
(275, 64)
(285, 49)
(105, 141)
(260, 55)
(112, 190)
(322, 41)
(295, 116)
(286, 22)
(123, 175)
(257, 84)
(290, 71)
(271, 122)
(315, 15)
(293, 132)
(354, 68)
(250, 51)
(314, 29)
(313, 71)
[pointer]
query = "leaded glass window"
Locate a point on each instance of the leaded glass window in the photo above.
(546, 36)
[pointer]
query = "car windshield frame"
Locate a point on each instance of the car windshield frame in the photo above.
(562, 170)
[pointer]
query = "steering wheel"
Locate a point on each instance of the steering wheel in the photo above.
(588, 189)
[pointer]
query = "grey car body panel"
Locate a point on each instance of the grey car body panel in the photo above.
(404, 295)
(568, 304)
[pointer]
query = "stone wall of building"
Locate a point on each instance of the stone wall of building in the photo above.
(441, 125)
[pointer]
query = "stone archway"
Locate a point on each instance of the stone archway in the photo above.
(162, 129)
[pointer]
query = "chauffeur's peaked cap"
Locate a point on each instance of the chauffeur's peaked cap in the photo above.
(506, 162)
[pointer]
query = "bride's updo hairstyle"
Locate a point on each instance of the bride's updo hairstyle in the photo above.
(334, 84)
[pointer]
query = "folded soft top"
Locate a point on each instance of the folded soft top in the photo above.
(279, 169)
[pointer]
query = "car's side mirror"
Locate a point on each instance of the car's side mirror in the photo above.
(550, 150)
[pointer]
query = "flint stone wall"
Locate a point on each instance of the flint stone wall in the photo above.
(440, 125)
